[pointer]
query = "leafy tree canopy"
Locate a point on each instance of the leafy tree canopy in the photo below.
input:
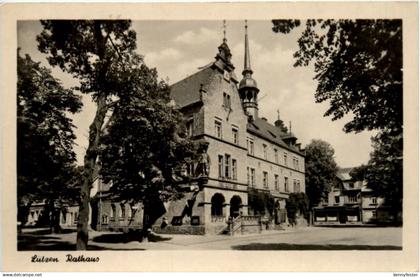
(261, 202)
(358, 66)
(321, 170)
(297, 202)
(384, 171)
(145, 140)
(96, 52)
(99, 54)
(45, 156)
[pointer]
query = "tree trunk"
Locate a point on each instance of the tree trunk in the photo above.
(89, 167)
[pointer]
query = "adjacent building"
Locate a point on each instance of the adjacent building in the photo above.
(350, 202)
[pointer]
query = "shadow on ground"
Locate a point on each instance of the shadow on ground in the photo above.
(358, 226)
(287, 246)
(30, 242)
(46, 231)
(127, 237)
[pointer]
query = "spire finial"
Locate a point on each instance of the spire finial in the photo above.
(224, 30)
(247, 58)
(290, 127)
(278, 114)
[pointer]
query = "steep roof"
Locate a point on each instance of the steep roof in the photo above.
(271, 133)
(344, 173)
(187, 91)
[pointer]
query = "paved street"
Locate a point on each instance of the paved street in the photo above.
(311, 238)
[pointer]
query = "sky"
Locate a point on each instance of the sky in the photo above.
(178, 48)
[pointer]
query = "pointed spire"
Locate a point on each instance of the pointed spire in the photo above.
(247, 58)
(248, 88)
(224, 51)
(224, 31)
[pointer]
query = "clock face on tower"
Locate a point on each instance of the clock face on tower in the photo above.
(226, 75)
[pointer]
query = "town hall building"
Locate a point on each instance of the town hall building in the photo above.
(242, 153)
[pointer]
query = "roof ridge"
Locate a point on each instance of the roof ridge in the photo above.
(200, 69)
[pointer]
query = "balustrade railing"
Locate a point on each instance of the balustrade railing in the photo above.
(241, 222)
(218, 218)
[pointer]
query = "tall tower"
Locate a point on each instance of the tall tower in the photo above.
(248, 89)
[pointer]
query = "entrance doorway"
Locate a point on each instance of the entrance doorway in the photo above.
(235, 206)
(217, 202)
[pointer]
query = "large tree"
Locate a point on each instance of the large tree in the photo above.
(384, 171)
(297, 203)
(101, 55)
(45, 138)
(358, 65)
(145, 144)
(321, 170)
(98, 54)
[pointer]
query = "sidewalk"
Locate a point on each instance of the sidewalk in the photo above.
(303, 238)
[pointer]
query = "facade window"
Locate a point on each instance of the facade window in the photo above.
(296, 186)
(190, 169)
(250, 146)
(190, 128)
(122, 211)
(252, 177)
(276, 182)
(265, 179)
(227, 166)
(265, 151)
(234, 170)
(286, 184)
(285, 158)
(297, 163)
(352, 199)
(337, 199)
(235, 136)
(218, 128)
(76, 218)
(374, 214)
(276, 156)
(130, 211)
(226, 100)
(248, 176)
(373, 200)
(112, 211)
(220, 166)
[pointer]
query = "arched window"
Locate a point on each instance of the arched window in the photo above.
(235, 206)
(217, 202)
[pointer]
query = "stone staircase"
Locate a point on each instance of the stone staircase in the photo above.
(242, 225)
